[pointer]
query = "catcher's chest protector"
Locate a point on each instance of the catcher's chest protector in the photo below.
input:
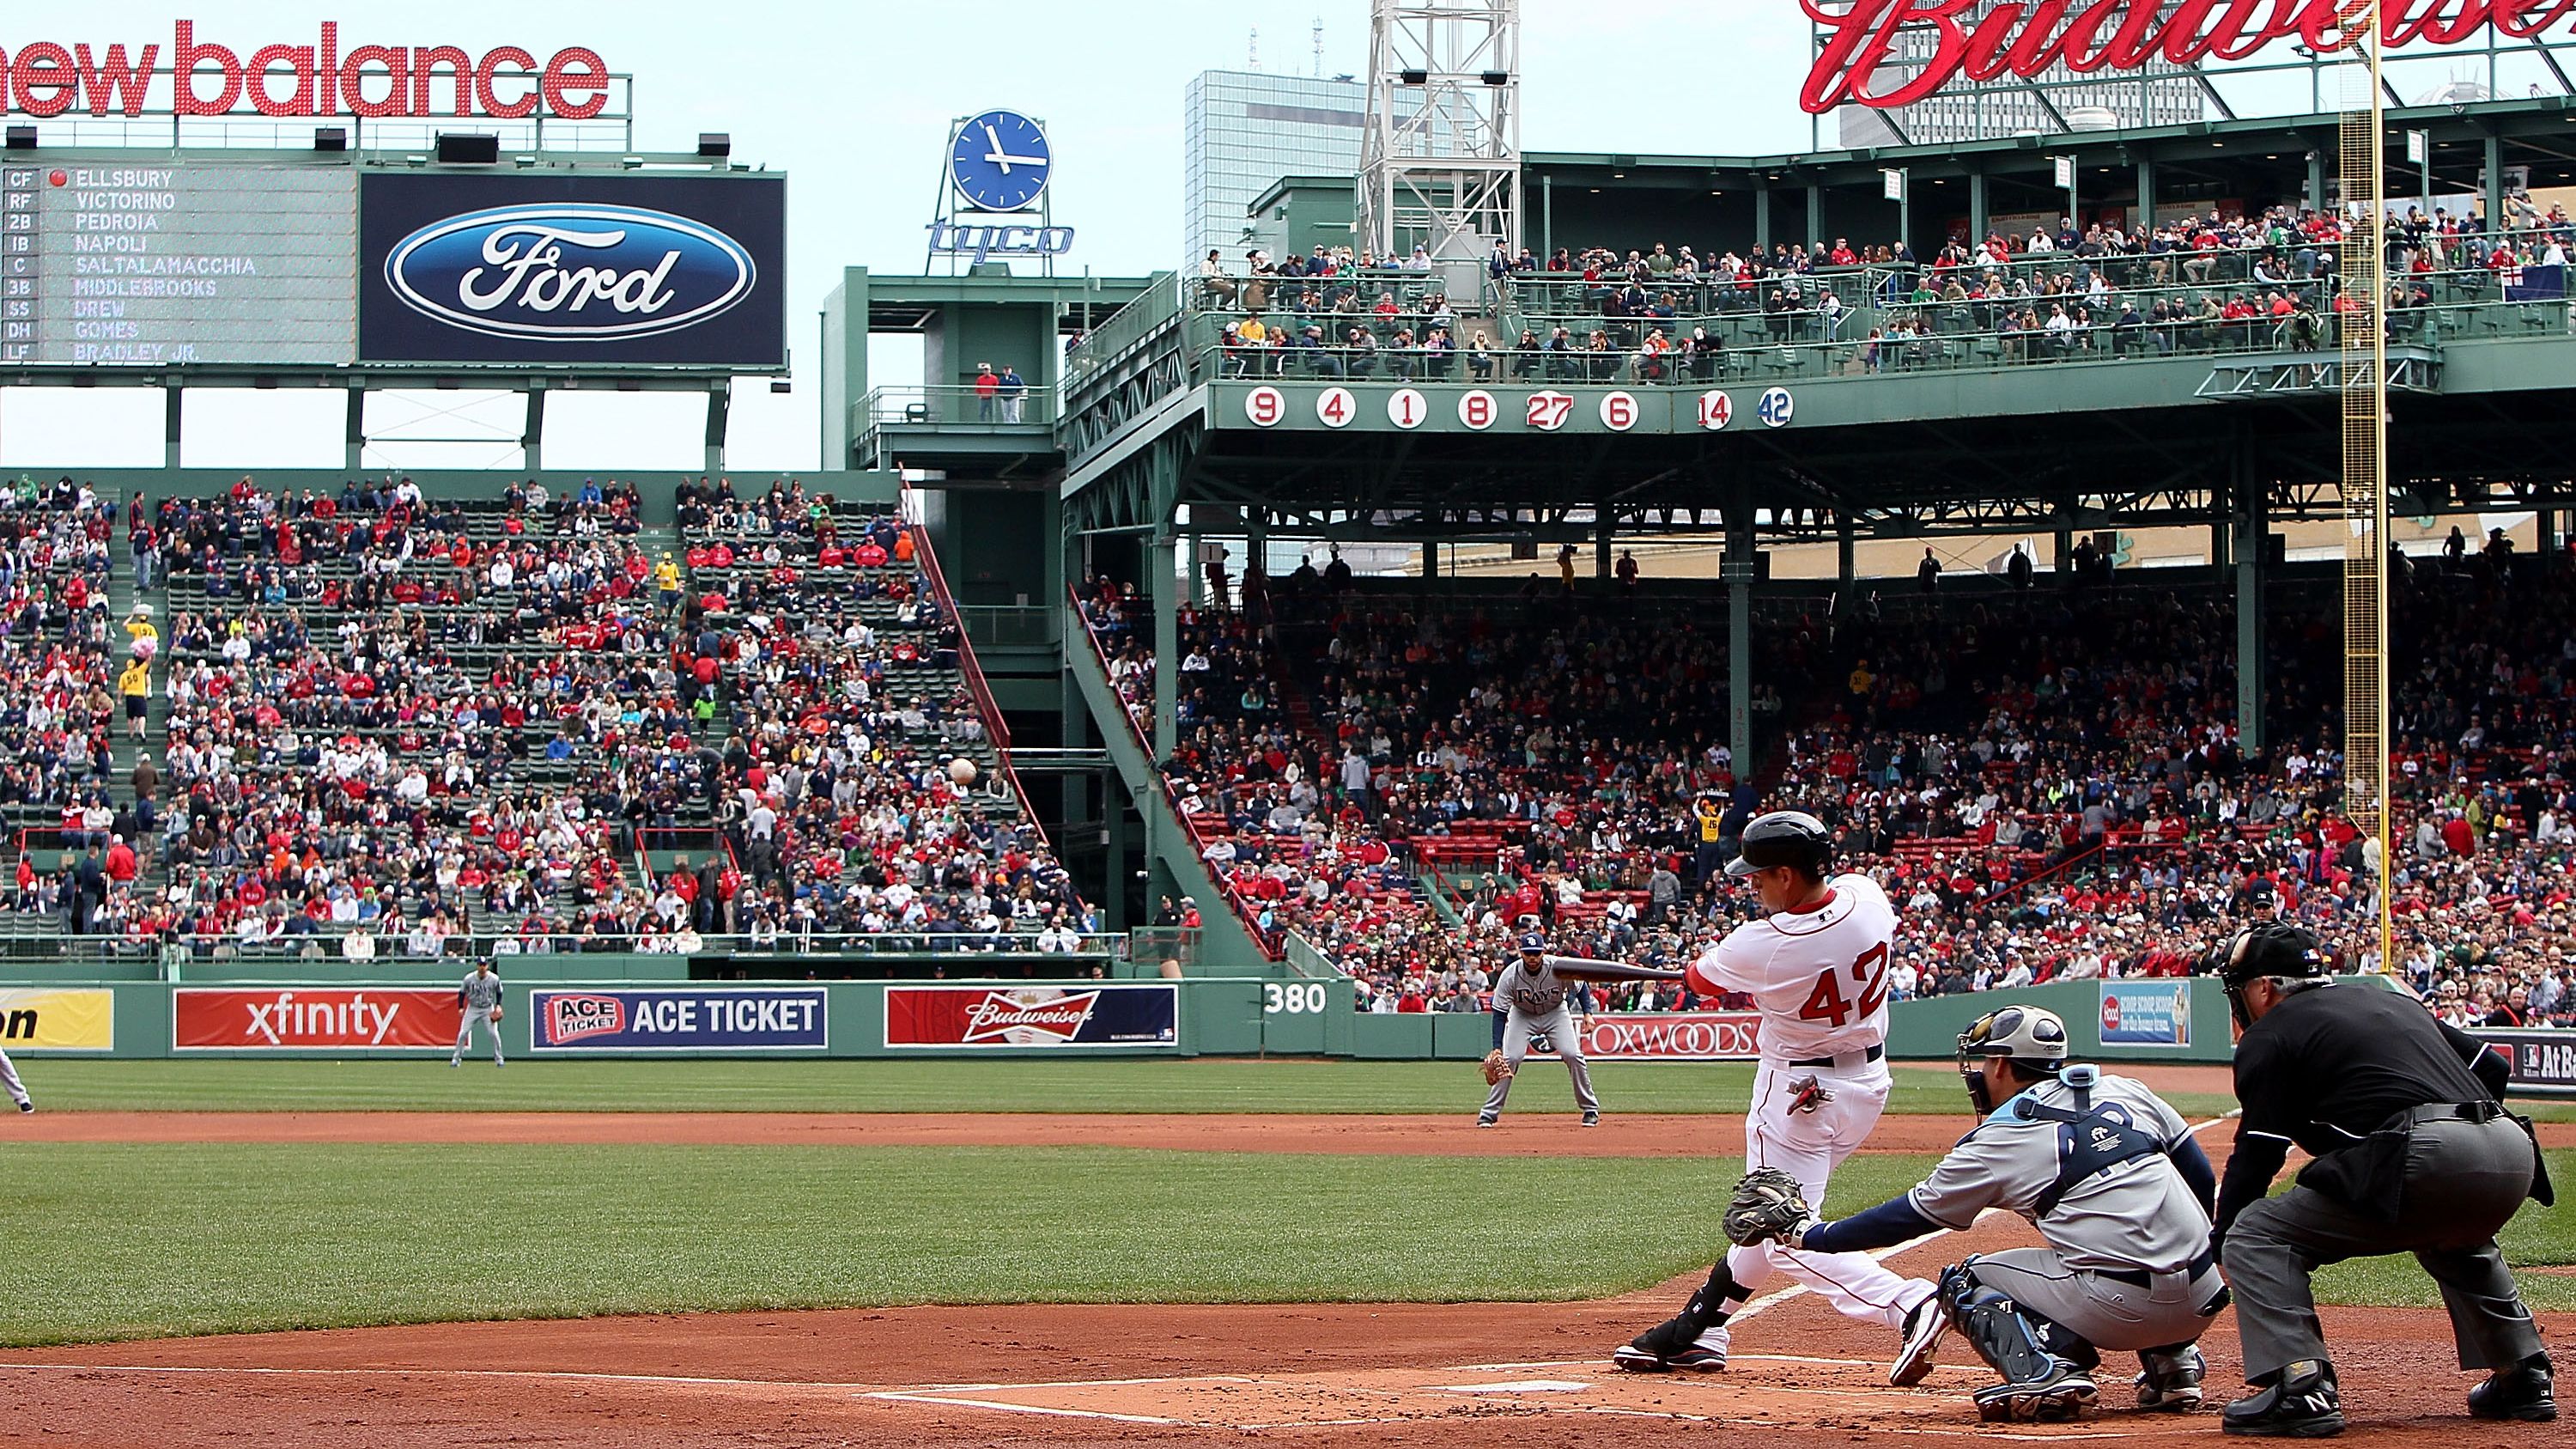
(2090, 1139)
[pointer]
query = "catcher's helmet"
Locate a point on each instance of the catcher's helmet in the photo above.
(2033, 1038)
(1784, 837)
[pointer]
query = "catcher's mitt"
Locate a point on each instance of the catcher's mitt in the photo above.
(1496, 1067)
(1768, 1205)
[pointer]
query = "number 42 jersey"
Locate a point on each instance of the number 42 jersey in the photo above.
(1818, 973)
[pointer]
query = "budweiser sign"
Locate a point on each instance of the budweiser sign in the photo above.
(207, 78)
(1123, 1014)
(2022, 38)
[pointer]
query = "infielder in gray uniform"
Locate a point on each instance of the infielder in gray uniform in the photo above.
(480, 996)
(1529, 1000)
(2115, 1182)
(17, 1089)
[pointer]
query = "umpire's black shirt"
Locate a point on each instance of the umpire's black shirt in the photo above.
(2330, 1065)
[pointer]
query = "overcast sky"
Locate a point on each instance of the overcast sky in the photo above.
(853, 101)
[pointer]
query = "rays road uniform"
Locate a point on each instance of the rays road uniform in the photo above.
(1529, 1000)
(478, 994)
(1819, 977)
(2114, 1181)
(16, 1089)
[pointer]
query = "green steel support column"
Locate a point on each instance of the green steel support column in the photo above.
(1761, 217)
(1979, 219)
(1601, 533)
(1198, 570)
(1843, 542)
(2495, 183)
(1113, 901)
(2147, 190)
(1546, 216)
(1163, 577)
(1256, 540)
(1815, 215)
(1430, 560)
(173, 413)
(2250, 549)
(1739, 630)
(2317, 176)
(354, 435)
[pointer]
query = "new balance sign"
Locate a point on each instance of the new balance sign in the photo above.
(1122, 1015)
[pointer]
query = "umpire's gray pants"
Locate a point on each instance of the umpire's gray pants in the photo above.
(2463, 1180)
(1558, 1027)
(2104, 1312)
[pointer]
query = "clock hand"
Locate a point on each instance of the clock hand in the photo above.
(996, 155)
(1006, 162)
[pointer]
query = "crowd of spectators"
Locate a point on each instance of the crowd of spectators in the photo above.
(2050, 782)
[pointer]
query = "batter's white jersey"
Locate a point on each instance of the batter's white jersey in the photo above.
(1818, 974)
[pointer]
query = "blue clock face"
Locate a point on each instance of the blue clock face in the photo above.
(1000, 161)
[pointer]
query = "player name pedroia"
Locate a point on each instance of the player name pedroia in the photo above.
(2088, 36)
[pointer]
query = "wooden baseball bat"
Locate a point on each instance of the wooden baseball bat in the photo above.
(1588, 968)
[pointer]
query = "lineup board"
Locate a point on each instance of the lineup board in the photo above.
(166, 265)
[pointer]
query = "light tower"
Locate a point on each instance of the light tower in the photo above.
(1442, 168)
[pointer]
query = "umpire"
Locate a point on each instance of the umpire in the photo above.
(2414, 1154)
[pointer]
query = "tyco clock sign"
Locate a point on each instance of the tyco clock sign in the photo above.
(608, 270)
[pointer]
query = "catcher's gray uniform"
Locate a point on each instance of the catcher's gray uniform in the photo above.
(1531, 998)
(478, 994)
(2127, 1264)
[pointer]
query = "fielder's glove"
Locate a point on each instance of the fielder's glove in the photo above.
(1768, 1206)
(1496, 1067)
(1806, 1094)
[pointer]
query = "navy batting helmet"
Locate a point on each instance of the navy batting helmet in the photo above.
(1784, 837)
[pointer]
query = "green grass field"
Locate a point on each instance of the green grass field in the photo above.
(863, 1085)
(129, 1240)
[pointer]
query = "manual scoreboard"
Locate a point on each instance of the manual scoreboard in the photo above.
(171, 265)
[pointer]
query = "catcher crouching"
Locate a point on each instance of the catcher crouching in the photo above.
(2110, 1176)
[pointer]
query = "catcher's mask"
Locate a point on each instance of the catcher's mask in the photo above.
(2032, 1037)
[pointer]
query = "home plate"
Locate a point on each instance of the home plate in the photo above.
(1518, 1386)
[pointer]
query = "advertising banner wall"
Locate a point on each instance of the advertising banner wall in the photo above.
(1694, 1036)
(681, 1018)
(283, 1018)
(1120, 1015)
(64, 1020)
(2146, 1013)
(2544, 1062)
(648, 270)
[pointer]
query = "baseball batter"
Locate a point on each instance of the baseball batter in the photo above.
(17, 1089)
(480, 997)
(2114, 1182)
(1529, 1001)
(1815, 964)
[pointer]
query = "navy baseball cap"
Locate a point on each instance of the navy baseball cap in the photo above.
(1534, 944)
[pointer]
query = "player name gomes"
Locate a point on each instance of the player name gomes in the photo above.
(570, 272)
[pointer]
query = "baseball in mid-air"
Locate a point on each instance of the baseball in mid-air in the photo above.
(962, 771)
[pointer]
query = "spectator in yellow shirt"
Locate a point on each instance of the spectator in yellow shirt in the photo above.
(135, 683)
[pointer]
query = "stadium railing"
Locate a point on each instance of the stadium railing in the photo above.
(397, 948)
(958, 407)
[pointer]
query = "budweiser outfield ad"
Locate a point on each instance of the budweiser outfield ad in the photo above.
(1123, 1015)
(1680, 1036)
(313, 1018)
(682, 1019)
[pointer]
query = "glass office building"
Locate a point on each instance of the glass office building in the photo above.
(1243, 130)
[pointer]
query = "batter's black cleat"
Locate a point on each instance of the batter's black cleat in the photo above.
(2298, 1403)
(1668, 1346)
(2064, 1394)
(1923, 1330)
(2520, 1392)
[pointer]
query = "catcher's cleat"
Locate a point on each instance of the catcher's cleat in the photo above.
(2064, 1394)
(1923, 1331)
(2170, 1380)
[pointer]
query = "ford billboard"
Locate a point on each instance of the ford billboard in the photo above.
(598, 270)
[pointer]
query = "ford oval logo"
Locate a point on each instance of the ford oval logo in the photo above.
(570, 272)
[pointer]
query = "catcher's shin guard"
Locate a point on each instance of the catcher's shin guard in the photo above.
(2039, 1384)
(2169, 1378)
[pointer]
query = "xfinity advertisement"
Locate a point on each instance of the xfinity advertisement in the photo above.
(607, 270)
